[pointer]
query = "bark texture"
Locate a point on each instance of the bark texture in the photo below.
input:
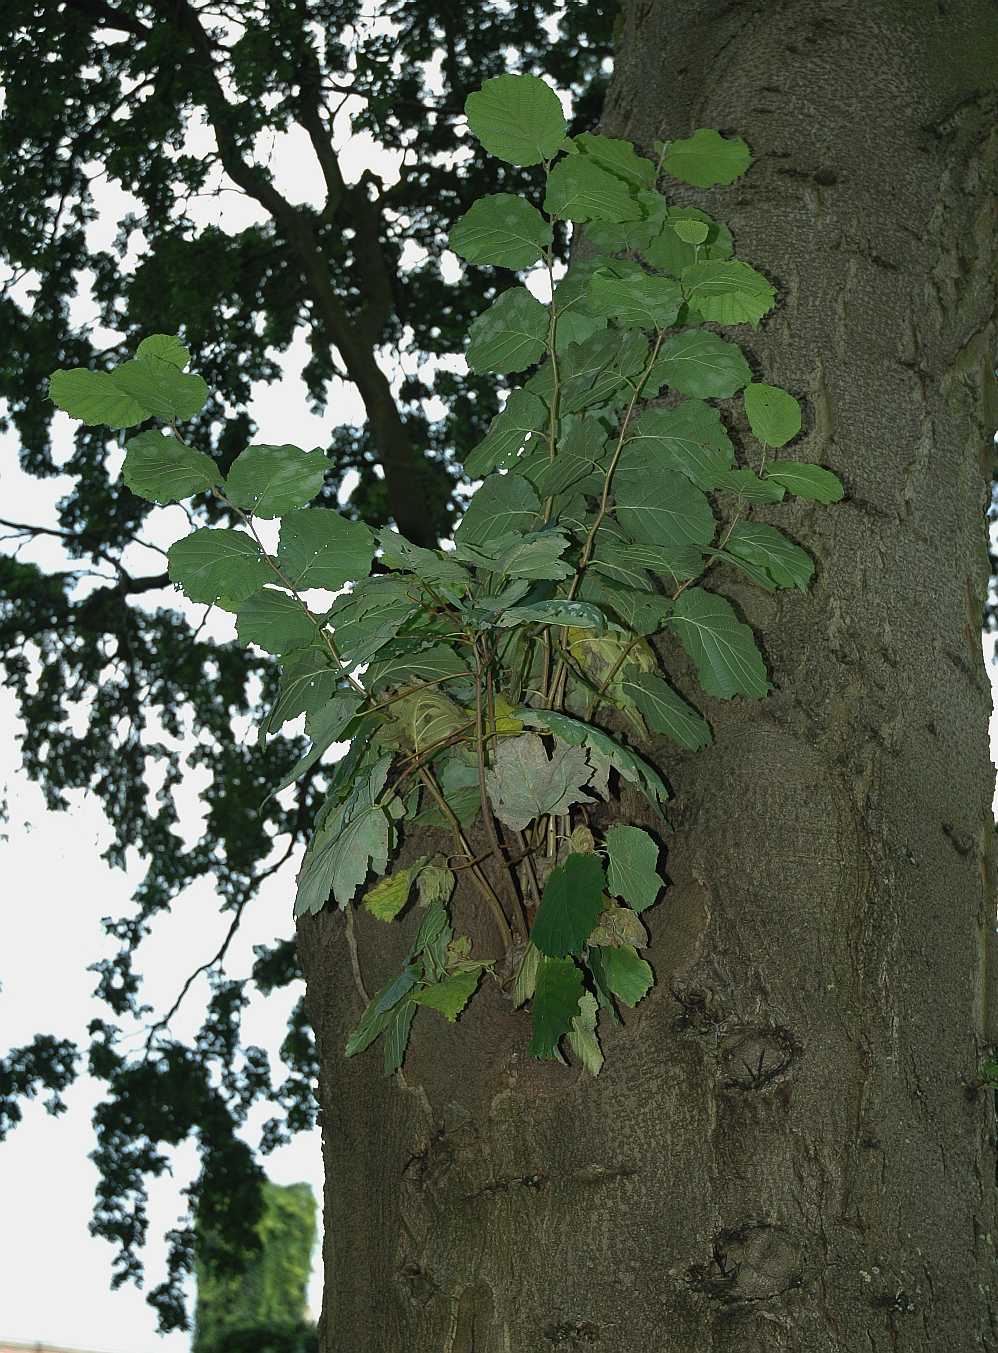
(782, 1151)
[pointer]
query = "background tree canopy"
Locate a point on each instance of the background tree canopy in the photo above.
(114, 95)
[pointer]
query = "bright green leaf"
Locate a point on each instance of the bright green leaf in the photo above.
(631, 873)
(707, 158)
(773, 414)
(727, 291)
(517, 118)
(164, 470)
(691, 232)
(390, 894)
(452, 994)
(628, 976)
(270, 481)
(579, 190)
(214, 562)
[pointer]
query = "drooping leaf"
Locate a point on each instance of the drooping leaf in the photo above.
(503, 503)
(509, 335)
(367, 618)
(397, 1037)
(319, 548)
(378, 1014)
(164, 470)
(522, 415)
(723, 647)
(354, 838)
(501, 229)
(631, 871)
(269, 481)
(811, 482)
(215, 562)
(699, 363)
(570, 906)
(275, 621)
(579, 190)
(773, 414)
(600, 746)
(525, 982)
(786, 564)
(641, 302)
(727, 291)
(577, 614)
(582, 1037)
(707, 158)
(326, 725)
(452, 994)
(665, 711)
(556, 1002)
(517, 118)
(523, 782)
(617, 157)
(657, 506)
(689, 438)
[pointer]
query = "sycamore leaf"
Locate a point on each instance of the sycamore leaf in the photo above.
(570, 906)
(811, 482)
(556, 1002)
(723, 648)
(517, 118)
(435, 883)
(631, 859)
(164, 470)
(501, 229)
(319, 548)
(269, 481)
(452, 994)
(378, 1014)
(509, 335)
(523, 783)
(707, 158)
(215, 562)
(603, 749)
(582, 1037)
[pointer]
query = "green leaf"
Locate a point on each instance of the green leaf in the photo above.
(691, 232)
(270, 481)
(319, 548)
(275, 621)
(810, 482)
(621, 559)
(308, 683)
(523, 783)
(397, 1037)
(786, 564)
(772, 413)
(582, 1037)
(617, 157)
(628, 976)
(657, 506)
(217, 562)
(668, 251)
(602, 748)
(378, 1014)
(665, 711)
(579, 190)
(727, 291)
(517, 118)
(354, 838)
(525, 982)
(697, 362)
(390, 894)
(578, 615)
(501, 229)
(597, 371)
(459, 785)
(723, 648)
(707, 158)
(510, 335)
(582, 452)
(689, 438)
(556, 1003)
(570, 906)
(167, 347)
(365, 619)
(747, 484)
(408, 667)
(164, 470)
(95, 397)
(432, 566)
(452, 994)
(631, 859)
(326, 726)
(536, 556)
(160, 388)
(503, 503)
(522, 415)
(642, 612)
(435, 883)
(643, 302)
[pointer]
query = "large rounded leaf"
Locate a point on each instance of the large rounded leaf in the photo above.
(517, 118)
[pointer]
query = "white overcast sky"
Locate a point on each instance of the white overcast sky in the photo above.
(54, 1277)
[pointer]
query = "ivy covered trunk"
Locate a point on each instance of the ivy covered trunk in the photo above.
(784, 1148)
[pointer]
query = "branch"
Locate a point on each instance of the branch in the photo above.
(108, 17)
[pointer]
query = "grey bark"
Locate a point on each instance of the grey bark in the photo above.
(784, 1150)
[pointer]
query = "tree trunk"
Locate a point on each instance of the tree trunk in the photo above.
(783, 1150)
